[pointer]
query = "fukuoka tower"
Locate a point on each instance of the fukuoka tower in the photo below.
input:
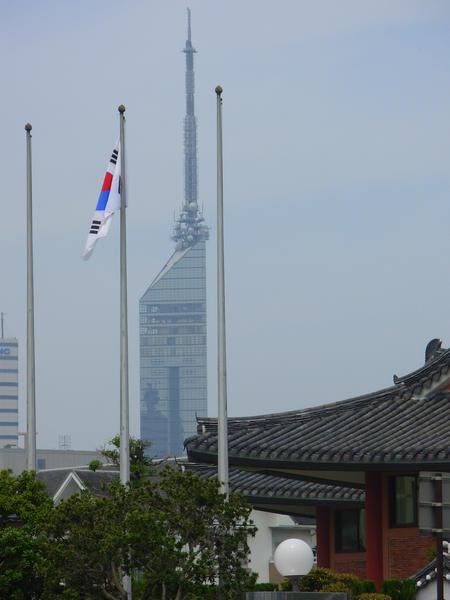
(172, 313)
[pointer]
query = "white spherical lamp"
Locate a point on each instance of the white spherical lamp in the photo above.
(293, 558)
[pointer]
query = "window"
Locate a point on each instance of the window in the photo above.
(40, 464)
(349, 530)
(403, 501)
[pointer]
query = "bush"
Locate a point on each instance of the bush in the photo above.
(95, 464)
(398, 589)
(264, 587)
(368, 587)
(339, 586)
(317, 579)
(324, 580)
(374, 597)
(364, 587)
(350, 581)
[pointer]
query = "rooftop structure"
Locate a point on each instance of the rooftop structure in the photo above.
(189, 226)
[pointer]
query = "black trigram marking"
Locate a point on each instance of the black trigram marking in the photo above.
(95, 226)
(114, 156)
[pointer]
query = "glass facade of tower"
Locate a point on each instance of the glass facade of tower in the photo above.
(173, 351)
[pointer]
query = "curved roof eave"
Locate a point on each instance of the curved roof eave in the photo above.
(406, 383)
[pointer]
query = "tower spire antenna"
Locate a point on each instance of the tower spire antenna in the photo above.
(189, 23)
(189, 226)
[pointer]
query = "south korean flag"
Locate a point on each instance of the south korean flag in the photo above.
(108, 203)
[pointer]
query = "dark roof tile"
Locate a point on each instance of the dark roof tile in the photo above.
(257, 486)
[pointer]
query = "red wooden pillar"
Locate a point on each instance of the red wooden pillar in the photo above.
(374, 527)
(323, 523)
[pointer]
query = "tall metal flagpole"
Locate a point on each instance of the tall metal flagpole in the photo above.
(221, 338)
(124, 400)
(124, 387)
(31, 384)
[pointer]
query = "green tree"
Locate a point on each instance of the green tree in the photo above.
(24, 505)
(202, 538)
(180, 533)
(140, 462)
(87, 547)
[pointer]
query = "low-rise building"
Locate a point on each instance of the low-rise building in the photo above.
(15, 459)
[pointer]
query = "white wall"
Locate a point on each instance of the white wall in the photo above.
(272, 530)
(429, 591)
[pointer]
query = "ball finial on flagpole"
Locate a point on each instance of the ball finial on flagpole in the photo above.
(219, 90)
(121, 109)
(28, 127)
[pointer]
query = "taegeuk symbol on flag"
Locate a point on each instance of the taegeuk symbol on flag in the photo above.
(108, 203)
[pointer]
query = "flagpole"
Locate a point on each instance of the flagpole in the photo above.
(221, 338)
(124, 388)
(31, 384)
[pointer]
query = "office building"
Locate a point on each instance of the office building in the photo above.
(9, 392)
(172, 313)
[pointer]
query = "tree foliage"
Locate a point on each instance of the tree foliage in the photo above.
(204, 537)
(24, 506)
(179, 532)
(87, 546)
(140, 462)
(176, 530)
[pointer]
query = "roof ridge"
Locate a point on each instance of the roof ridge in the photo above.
(402, 385)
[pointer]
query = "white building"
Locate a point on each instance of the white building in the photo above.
(9, 392)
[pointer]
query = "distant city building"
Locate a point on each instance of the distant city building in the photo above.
(173, 314)
(9, 392)
(15, 459)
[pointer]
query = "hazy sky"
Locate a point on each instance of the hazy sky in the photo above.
(337, 191)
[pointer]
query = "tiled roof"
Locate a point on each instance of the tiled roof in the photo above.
(406, 424)
(95, 481)
(257, 488)
(428, 573)
(53, 479)
(264, 487)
